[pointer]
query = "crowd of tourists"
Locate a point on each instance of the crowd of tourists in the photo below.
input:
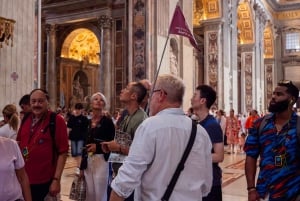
(150, 150)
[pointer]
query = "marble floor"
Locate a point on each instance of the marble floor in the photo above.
(234, 183)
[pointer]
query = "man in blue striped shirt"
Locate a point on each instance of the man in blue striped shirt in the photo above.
(277, 145)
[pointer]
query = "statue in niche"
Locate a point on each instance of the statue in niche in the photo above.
(174, 57)
(173, 64)
(78, 93)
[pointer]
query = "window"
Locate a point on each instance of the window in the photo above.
(292, 42)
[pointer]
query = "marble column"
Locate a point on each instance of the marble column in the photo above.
(51, 70)
(260, 21)
(213, 55)
(105, 70)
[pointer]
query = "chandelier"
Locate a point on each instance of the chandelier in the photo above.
(6, 31)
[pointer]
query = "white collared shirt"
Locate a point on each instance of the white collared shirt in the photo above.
(156, 150)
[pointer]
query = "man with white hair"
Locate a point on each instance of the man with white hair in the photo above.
(158, 146)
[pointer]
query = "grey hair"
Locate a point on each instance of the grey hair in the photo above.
(101, 95)
(173, 86)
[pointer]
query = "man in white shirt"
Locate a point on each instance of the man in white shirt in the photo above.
(158, 146)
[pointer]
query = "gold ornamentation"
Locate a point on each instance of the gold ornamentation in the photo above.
(6, 31)
(245, 24)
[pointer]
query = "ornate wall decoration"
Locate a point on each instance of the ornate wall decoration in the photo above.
(269, 81)
(14, 76)
(205, 9)
(139, 40)
(6, 31)
(81, 45)
(245, 24)
(268, 43)
(247, 58)
(212, 54)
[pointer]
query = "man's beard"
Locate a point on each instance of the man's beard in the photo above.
(278, 107)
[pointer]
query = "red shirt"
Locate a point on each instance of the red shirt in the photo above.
(38, 141)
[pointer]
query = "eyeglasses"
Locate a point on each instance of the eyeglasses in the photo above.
(156, 90)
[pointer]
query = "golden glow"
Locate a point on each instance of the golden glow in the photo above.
(82, 45)
(205, 9)
(245, 24)
(268, 43)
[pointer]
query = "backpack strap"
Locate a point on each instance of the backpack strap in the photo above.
(263, 123)
(298, 128)
(52, 133)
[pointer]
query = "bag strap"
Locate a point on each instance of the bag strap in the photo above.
(264, 122)
(180, 166)
(298, 128)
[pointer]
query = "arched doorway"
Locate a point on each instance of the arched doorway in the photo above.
(79, 65)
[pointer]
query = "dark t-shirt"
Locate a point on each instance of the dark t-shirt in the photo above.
(79, 126)
(215, 133)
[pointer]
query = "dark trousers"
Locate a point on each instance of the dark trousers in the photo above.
(214, 195)
(39, 191)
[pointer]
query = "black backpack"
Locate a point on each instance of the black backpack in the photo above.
(51, 127)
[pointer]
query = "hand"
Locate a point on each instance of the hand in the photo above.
(253, 196)
(54, 187)
(104, 147)
(81, 174)
(111, 146)
(91, 148)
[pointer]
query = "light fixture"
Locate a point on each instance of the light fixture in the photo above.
(6, 31)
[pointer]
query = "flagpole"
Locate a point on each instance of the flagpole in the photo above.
(162, 56)
(157, 72)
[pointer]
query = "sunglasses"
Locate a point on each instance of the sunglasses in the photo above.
(287, 82)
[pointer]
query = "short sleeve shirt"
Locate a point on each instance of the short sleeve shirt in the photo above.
(11, 159)
(37, 140)
(215, 133)
(279, 153)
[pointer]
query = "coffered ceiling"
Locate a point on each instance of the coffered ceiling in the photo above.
(283, 5)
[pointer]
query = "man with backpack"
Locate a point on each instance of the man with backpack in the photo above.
(275, 139)
(43, 142)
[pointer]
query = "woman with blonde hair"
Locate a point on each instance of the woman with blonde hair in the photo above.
(11, 122)
(94, 166)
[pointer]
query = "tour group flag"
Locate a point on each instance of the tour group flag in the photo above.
(180, 27)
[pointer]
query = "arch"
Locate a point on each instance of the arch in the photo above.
(245, 24)
(268, 43)
(82, 45)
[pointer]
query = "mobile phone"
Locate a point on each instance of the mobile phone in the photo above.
(98, 140)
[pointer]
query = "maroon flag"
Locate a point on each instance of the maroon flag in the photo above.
(180, 27)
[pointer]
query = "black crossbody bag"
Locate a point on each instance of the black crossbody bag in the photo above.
(180, 166)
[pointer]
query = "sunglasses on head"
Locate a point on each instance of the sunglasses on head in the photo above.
(285, 82)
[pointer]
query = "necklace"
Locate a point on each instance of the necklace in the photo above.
(95, 121)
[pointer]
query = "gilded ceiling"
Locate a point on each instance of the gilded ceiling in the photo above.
(82, 45)
(205, 9)
(245, 24)
(268, 43)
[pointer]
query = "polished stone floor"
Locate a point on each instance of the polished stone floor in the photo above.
(234, 183)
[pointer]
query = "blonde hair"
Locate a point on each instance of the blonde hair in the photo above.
(173, 86)
(10, 112)
(101, 95)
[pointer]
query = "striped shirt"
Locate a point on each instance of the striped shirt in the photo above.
(279, 153)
